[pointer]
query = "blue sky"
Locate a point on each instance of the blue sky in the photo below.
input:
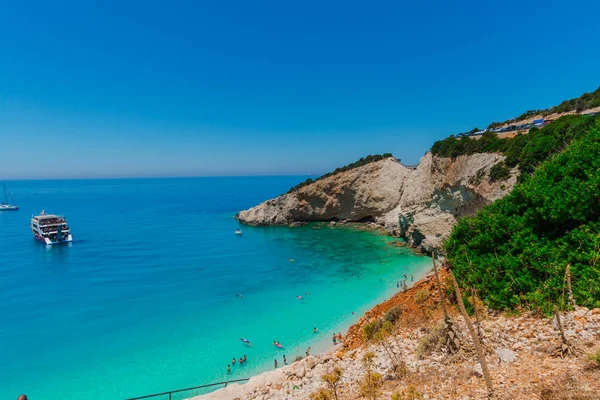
(147, 88)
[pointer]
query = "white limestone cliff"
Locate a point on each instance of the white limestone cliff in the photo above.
(420, 205)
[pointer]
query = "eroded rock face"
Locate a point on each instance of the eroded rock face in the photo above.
(419, 204)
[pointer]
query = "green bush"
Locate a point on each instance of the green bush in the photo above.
(515, 251)
(499, 172)
(433, 341)
(594, 357)
(393, 314)
(422, 296)
(478, 177)
(583, 102)
(371, 329)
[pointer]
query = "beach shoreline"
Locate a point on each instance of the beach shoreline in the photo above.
(333, 353)
(521, 355)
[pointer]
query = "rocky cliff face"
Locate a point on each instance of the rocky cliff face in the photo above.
(420, 205)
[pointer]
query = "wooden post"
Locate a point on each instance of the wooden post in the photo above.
(476, 342)
(569, 289)
(439, 285)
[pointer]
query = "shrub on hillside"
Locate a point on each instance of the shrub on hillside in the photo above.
(393, 314)
(579, 104)
(524, 151)
(422, 296)
(499, 172)
(515, 251)
(433, 341)
(594, 357)
(370, 329)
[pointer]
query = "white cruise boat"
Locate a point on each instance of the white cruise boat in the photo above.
(51, 229)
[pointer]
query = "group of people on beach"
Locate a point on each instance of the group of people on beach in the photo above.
(337, 338)
(403, 283)
(276, 364)
(241, 362)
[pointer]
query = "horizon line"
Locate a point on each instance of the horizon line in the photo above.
(153, 177)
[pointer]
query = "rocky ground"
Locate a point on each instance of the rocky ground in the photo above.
(524, 355)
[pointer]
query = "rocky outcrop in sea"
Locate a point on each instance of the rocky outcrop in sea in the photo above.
(418, 204)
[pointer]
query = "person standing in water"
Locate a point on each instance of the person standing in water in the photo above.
(284, 360)
(228, 369)
(244, 358)
(274, 363)
(233, 361)
(334, 339)
(308, 352)
(411, 278)
(315, 329)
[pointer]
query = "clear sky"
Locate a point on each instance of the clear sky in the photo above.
(172, 88)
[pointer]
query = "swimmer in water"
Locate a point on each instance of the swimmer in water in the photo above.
(299, 297)
(315, 329)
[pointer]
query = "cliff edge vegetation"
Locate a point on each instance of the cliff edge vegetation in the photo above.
(363, 161)
(515, 252)
(586, 101)
(523, 151)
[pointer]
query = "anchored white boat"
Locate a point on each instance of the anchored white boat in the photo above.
(4, 206)
(51, 228)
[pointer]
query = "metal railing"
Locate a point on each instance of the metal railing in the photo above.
(170, 393)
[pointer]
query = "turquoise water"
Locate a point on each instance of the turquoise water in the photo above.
(144, 299)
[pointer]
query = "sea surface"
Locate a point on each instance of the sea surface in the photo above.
(144, 299)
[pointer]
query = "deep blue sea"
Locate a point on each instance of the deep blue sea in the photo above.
(144, 299)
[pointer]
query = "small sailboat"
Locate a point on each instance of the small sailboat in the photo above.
(238, 232)
(4, 206)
